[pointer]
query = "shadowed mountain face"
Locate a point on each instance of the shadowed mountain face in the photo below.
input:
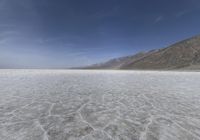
(182, 55)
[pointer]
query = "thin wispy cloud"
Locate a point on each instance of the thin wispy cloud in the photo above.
(158, 19)
(6, 25)
(181, 13)
(106, 13)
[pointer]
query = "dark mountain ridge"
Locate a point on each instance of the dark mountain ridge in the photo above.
(182, 55)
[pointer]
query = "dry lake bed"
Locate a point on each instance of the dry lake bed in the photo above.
(99, 105)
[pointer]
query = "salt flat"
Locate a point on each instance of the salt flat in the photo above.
(99, 105)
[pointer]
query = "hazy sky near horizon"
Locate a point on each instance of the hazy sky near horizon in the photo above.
(68, 33)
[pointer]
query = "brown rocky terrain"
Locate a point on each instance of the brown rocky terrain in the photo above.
(182, 55)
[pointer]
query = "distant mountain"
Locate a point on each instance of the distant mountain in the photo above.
(181, 55)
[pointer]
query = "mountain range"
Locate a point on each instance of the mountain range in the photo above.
(182, 55)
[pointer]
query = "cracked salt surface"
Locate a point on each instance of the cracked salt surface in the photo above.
(99, 105)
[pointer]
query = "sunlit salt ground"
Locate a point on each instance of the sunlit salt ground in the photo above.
(99, 105)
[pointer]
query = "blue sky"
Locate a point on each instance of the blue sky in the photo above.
(68, 33)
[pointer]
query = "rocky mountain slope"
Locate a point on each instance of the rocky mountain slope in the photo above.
(181, 55)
